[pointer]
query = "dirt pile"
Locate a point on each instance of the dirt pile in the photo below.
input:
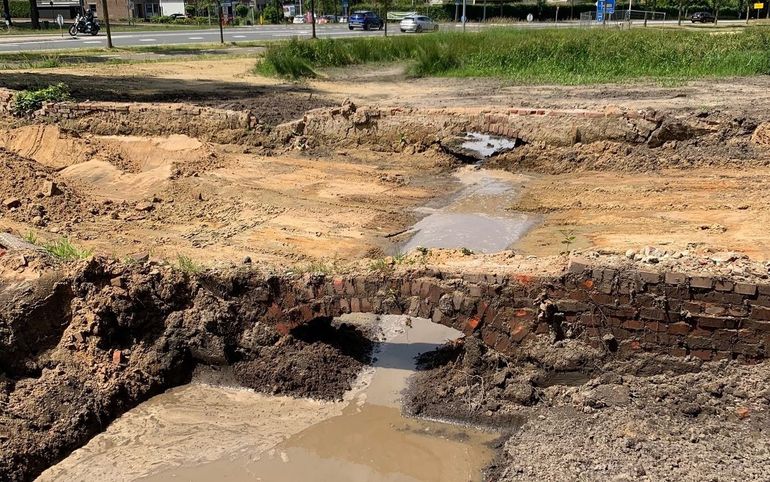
(574, 414)
(700, 139)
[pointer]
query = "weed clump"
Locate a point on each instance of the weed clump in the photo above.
(27, 101)
(65, 250)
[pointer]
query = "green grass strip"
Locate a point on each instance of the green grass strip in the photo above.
(561, 56)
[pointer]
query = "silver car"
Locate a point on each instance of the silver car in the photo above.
(418, 23)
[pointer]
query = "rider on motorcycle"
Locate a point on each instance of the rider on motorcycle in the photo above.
(89, 19)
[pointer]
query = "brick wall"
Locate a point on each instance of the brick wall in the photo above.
(620, 310)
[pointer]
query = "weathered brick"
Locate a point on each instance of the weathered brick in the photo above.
(677, 351)
(702, 282)
(578, 266)
(655, 326)
(756, 325)
(679, 328)
(715, 310)
(649, 277)
(748, 289)
(675, 278)
(602, 299)
(716, 322)
(652, 314)
(633, 325)
(724, 285)
(704, 355)
(760, 313)
(698, 342)
(763, 290)
(571, 306)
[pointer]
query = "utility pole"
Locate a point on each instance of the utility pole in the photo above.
(107, 23)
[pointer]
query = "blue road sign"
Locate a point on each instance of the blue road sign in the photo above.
(600, 11)
(610, 4)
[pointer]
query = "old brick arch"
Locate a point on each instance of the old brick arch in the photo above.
(635, 310)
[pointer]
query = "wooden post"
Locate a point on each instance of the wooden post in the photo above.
(107, 23)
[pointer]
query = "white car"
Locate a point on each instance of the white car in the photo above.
(298, 19)
(418, 23)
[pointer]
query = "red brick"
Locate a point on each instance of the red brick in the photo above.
(746, 289)
(655, 326)
(724, 285)
(675, 278)
(704, 355)
(698, 343)
(760, 326)
(760, 313)
(679, 328)
(677, 351)
(519, 331)
(633, 325)
(716, 322)
(652, 314)
(702, 282)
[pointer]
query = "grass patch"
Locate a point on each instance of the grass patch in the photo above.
(64, 249)
(562, 56)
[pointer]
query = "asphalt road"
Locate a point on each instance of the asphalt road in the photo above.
(19, 43)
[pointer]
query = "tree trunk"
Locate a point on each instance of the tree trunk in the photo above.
(34, 14)
(7, 11)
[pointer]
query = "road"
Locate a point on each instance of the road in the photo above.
(19, 43)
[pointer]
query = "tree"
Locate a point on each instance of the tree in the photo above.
(34, 14)
(271, 14)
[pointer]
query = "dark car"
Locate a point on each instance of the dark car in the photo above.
(702, 17)
(365, 21)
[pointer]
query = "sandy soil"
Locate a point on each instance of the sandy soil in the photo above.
(218, 202)
(720, 209)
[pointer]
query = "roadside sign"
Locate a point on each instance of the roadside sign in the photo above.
(60, 21)
(600, 11)
(759, 6)
(610, 4)
(530, 17)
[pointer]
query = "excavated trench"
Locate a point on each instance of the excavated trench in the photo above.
(501, 371)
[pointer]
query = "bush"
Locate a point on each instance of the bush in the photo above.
(27, 101)
(271, 14)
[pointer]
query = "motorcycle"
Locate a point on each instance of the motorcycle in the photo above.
(82, 25)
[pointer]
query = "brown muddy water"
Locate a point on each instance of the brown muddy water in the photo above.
(204, 432)
(476, 217)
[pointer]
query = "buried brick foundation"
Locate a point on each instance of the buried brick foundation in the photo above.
(620, 310)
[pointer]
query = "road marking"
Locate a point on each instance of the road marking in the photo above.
(147, 40)
(92, 42)
(195, 38)
(239, 36)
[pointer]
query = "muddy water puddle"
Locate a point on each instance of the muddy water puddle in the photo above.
(201, 432)
(476, 217)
